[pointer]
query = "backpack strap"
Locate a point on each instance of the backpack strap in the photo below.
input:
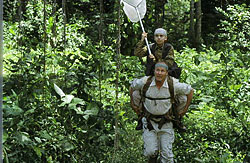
(146, 86)
(171, 88)
(173, 110)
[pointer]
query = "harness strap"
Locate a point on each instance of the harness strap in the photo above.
(171, 88)
(150, 98)
(146, 86)
(150, 116)
(173, 100)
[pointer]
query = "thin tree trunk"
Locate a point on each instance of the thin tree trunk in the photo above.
(116, 108)
(159, 13)
(1, 72)
(54, 35)
(64, 22)
(198, 25)
(102, 42)
(191, 28)
(44, 51)
(20, 13)
(44, 36)
(163, 13)
(64, 35)
(101, 22)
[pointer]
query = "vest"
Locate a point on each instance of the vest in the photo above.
(173, 71)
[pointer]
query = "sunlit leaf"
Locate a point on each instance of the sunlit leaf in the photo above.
(67, 99)
(78, 101)
(23, 137)
(58, 90)
(79, 111)
(5, 136)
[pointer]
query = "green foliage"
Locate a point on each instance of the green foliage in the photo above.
(235, 28)
(220, 92)
(212, 138)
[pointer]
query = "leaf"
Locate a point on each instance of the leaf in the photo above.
(14, 110)
(62, 104)
(23, 137)
(79, 111)
(38, 139)
(235, 87)
(121, 113)
(68, 98)
(85, 0)
(91, 112)
(38, 151)
(78, 101)
(12, 31)
(59, 91)
(67, 146)
(86, 117)
(92, 109)
(5, 136)
(72, 106)
(30, 111)
(197, 159)
(45, 134)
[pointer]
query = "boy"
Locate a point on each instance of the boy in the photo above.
(161, 51)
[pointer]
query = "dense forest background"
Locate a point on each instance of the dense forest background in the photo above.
(68, 67)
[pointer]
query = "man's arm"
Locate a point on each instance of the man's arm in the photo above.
(189, 99)
(134, 107)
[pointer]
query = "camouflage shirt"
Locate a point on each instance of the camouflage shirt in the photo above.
(141, 51)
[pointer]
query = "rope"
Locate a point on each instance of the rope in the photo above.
(44, 37)
(102, 42)
(64, 35)
(64, 22)
(20, 31)
(116, 140)
(1, 76)
(44, 48)
(54, 34)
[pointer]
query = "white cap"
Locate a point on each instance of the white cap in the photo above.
(160, 31)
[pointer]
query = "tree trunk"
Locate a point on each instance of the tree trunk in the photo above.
(163, 13)
(20, 13)
(64, 22)
(159, 12)
(101, 22)
(198, 25)
(102, 42)
(54, 34)
(191, 28)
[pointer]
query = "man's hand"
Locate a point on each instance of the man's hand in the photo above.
(189, 98)
(183, 112)
(135, 108)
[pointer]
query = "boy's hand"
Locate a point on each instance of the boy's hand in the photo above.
(143, 36)
(152, 56)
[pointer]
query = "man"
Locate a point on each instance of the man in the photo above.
(161, 51)
(158, 137)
